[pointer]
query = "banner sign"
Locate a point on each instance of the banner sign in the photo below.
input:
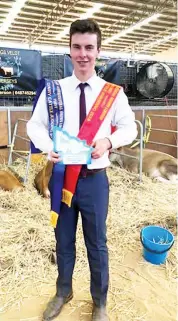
(20, 71)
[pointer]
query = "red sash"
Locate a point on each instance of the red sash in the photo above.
(87, 132)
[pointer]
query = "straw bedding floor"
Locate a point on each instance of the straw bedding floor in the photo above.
(138, 290)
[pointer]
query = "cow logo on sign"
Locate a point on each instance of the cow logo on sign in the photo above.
(10, 67)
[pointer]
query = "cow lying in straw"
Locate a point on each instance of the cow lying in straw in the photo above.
(155, 164)
(158, 165)
(9, 182)
(42, 179)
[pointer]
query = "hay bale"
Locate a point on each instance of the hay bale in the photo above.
(27, 240)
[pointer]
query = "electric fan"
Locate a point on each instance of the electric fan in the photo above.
(155, 80)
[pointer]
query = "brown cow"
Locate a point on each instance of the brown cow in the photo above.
(156, 164)
(42, 179)
(6, 71)
(9, 182)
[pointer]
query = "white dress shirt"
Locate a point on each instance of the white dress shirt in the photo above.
(120, 115)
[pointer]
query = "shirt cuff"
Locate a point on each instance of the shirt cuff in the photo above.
(119, 139)
(109, 142)
(49, 156)
(112, 140)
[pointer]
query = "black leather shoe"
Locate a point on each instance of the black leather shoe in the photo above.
(55, 306)
(99, 314)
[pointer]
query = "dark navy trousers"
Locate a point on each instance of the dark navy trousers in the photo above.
(91, 200)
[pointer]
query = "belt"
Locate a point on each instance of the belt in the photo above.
(88, 172)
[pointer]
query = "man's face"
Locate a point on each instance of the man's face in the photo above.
(84, 52)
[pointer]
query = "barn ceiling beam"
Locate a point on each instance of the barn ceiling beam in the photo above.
(159, 42)
(50, 19)
(12, 14)
(131, 28)
(40, 21)
(103, 24)
(154, 38)
(139, 46)
(152, 4)
(144, 12)
(6, 4)
(88, 14)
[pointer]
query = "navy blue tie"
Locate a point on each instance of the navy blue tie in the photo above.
(82, 103)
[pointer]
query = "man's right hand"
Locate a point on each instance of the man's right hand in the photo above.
(54, 157)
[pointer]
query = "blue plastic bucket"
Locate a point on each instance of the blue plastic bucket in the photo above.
(156, 242)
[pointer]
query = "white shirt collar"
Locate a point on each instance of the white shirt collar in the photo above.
(91, 81)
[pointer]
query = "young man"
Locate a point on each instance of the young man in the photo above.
(92, 190)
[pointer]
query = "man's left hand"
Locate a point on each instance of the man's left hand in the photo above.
(100, 147)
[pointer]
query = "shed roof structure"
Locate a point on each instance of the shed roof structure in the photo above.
(146, 27)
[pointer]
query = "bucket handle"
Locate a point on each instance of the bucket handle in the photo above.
(153, 251)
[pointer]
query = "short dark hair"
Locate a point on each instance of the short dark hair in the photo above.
(86, 25)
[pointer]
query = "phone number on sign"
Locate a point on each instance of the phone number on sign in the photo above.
(24, 92)
(20, 93)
